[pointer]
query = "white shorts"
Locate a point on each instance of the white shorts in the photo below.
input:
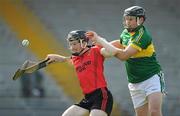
(140, 91)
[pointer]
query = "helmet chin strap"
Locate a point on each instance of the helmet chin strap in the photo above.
(77, 53)
(138, 21)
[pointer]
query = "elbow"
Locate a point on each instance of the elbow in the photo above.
(125, 57)
(122, 56)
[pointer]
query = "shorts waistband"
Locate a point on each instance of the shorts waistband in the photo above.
(96, 91)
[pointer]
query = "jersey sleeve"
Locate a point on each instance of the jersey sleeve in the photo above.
(123, 35)
(98, 50)
(141, 40)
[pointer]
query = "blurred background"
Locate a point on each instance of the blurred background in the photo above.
(45, 23)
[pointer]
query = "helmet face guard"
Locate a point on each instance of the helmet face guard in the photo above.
(80, 36)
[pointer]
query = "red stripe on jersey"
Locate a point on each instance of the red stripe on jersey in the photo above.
(89, 68)
(95, 68)
(105, 98)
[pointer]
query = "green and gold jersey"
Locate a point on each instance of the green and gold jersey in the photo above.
(142, 65)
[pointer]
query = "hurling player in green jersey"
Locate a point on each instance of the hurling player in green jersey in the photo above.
(135, 47)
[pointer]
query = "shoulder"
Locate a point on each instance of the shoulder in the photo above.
(96, 47)
(142, 38)
(96, 51)
(142, 34)
(143, 30)
(124, 32)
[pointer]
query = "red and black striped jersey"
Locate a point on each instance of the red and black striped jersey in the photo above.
(89, 68)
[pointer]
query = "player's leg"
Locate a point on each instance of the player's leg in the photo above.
(142, 110)
(155, 92)
(140, 103)
(153, 107)
(96, 112)
(139, 99)
(79, 109)
(75, 110)
(155, 103)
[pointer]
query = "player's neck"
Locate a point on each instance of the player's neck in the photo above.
(85, 50)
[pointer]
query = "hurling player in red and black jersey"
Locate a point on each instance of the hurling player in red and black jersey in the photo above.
(88, 63)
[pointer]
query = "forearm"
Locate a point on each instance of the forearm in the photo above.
(121, 54)
(128, 52)
(109, 48)
(57, 58)
(60, 58)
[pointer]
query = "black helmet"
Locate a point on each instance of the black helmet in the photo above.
(77, 35)
(135, 11)
(81, 37)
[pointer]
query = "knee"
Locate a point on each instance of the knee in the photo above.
(66, 114)
(155, 112)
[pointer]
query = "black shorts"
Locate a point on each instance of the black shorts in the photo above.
(99, 99)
